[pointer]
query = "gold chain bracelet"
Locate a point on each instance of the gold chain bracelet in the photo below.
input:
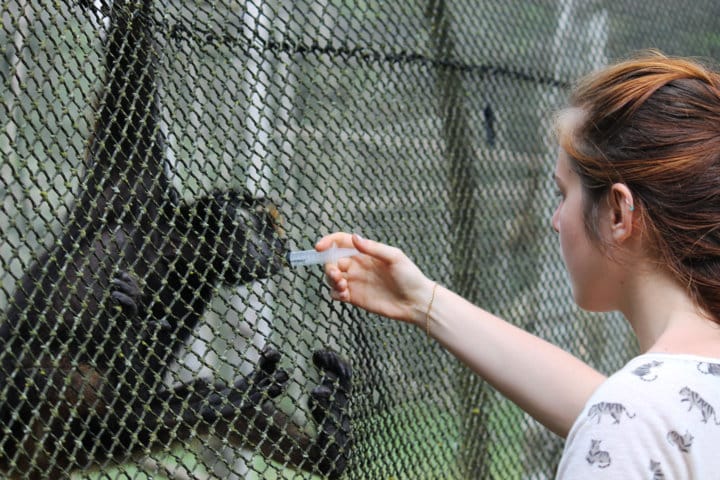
(427, 313)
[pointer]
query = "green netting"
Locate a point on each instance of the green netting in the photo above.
(134, 134)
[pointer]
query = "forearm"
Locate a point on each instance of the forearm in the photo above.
(542, 379)
(545, 381)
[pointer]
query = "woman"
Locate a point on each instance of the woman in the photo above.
(638, 177)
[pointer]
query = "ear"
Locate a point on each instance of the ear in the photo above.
(622, 211)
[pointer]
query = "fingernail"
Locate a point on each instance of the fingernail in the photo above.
(357, 236)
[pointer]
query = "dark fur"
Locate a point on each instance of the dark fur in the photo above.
(95, 322)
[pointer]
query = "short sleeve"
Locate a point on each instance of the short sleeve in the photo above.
(598, 447)
(656, 418)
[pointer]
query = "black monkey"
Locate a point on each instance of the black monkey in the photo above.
(96, 321)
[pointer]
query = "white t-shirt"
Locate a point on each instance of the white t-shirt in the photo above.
(657, 418)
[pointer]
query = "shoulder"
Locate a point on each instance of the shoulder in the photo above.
(660, 379)
(658, 414)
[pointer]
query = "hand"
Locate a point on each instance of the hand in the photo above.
(382, 280)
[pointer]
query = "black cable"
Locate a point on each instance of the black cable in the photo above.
(180, 33)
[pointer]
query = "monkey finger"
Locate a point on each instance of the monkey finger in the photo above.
(126, 302)
(263, 390)
(326, 410)
(125, 283)
(333, 367)
(278, 385)
(163, 324)
(319, 400)
(283, 374)
(215, 398)
(281, 378)
(249, 398)
(269, 359)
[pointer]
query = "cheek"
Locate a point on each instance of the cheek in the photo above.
(590, 273)
(580, 273)
(571, 248)
(565, 225)
(568, 220)
(577, 252)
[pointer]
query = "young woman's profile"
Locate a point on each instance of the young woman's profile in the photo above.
(638, 222)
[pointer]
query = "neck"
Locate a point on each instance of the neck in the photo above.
(666, 319)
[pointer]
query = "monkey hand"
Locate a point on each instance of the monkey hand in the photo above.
(126, 295)
(265, 383)
(328, 404)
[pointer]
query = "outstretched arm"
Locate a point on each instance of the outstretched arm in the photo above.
(541, 378)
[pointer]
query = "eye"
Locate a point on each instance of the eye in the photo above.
(559, 194)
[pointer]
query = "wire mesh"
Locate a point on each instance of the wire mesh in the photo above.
(158, 160)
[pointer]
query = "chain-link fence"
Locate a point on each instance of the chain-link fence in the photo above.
(158, 160)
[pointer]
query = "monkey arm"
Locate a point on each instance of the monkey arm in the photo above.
(243, 414)
(279, 439)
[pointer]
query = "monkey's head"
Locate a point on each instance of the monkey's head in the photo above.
(247, 242)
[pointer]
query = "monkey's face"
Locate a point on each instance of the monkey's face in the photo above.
(250, 244)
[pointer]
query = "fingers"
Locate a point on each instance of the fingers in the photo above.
(378, 250)
(343, 264)
(333, 366)
(340, 239)
(338, 283)
(268, 361)
(125, 293)
(337, 273)
(125, 302)
(350, 278)
(335, 277)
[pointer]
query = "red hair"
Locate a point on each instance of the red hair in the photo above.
(653, 123)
